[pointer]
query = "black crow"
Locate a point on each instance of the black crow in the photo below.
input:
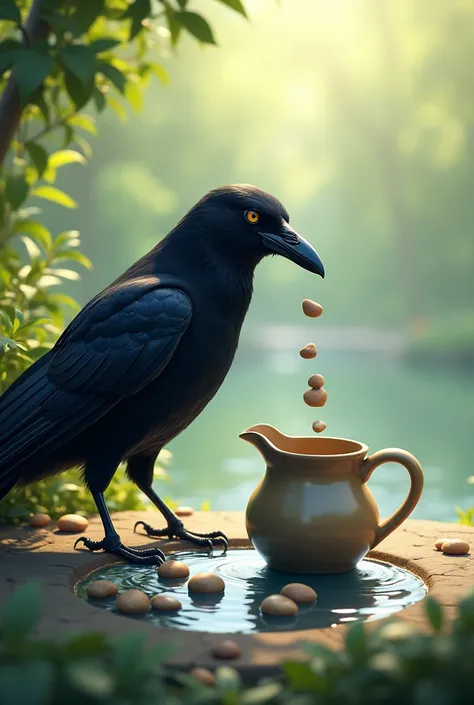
(143, 358)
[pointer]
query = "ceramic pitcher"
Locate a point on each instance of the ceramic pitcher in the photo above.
(313, 511)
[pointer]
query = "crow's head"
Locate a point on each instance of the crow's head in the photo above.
(246, 221)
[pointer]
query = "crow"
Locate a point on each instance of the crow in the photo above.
(143, 358)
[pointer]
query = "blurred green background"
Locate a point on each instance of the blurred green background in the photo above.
(359, 116)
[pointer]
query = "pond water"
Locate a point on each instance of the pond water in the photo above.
(372, 398)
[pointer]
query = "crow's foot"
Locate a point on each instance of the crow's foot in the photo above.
(176, 530)
(112, 544)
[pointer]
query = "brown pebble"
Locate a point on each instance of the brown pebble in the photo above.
(309, 351)
(206, 583)
(316, 381)
(226, 649)
(455, 547)
(319, 426)
(440, 542)
(299, 593)
(102, 588)
(279, 606)
(315, 397)
(311, 308)
(165, 603)
(173, 569)
(39, 520)
(203, 675)
(73, 523)
(133, 601)
(184, 511)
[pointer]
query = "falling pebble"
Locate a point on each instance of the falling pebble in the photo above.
(309, 351)
(279, 606)
(173, 569)
(299, 593)
(73, 523)
(133, 601)
(226, 650)
(440, 542)
(184, 511)
(311, 308)
(203, 675)
(315, 397)
(455, 547)
(316, 381)
(319, 426)
(165, 603)
(39, 520)
(206, 582)
(102, 588)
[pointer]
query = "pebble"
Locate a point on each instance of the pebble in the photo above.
(102, 588)
(299, 593)
(165, 603)
(173, 569)
(226, 649)
(184, 512)
(206, 582)
(455, 547)
(311, 308)
(316, 381)
(319, 426)
(133, 601)
(440, 542)
(279, 606)
(39, 520)
(309, 351)
(203, 675)
(315, 397)
(72, 523)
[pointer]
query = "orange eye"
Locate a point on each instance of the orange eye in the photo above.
(252, 217)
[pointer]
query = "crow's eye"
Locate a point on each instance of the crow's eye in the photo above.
(252, 217)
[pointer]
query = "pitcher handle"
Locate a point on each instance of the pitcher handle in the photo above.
(395, 455)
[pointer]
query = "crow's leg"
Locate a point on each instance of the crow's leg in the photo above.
(111, 541)
(140, 470)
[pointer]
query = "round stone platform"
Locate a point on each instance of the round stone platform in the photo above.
(48, 555)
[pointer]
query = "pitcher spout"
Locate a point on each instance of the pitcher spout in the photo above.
(265, 439)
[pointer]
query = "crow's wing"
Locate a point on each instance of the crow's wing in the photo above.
(113, 348)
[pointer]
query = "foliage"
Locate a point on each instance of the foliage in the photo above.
(391, 664)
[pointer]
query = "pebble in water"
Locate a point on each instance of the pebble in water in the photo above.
(455, 547)
(184, 511)
(319, 426)
(206, 583)
(102, 588)
(309, 351)
(165, 603)
(315, 397)
(226, 650)
(173, 569)
(39, 520)
(299, 593)
(279, 606)
(73, 523)
(311, 308)
(203, 675)
(316, 381)
(133, 601)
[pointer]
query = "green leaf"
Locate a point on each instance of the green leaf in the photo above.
(197, 26)
(73, 257)
(2, 207)
(37, 98)
(134, 96)
(65, 300)
(113, 74)
(434, 613)
(10, 11)
(65, 156)
(65, 274)
(30, 68)
(84, 145)
(64, 238)
(85, 122)
(173, 23)
(16, 190)
(100, 45)
(138, 10)
(85, 15)
(36, 231)
(31, 247)
(8, 51)
(99, 99)
(77, 91)
(356, 641)
(21, 612)
(235, 5)
(29, 682)
(90, 679)
(51, 193)
(159, 71)
(81, 62)
(38, 155)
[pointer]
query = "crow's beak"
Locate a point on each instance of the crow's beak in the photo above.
(288, 243)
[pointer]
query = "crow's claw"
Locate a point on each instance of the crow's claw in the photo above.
(177, 531)
(112, 544)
